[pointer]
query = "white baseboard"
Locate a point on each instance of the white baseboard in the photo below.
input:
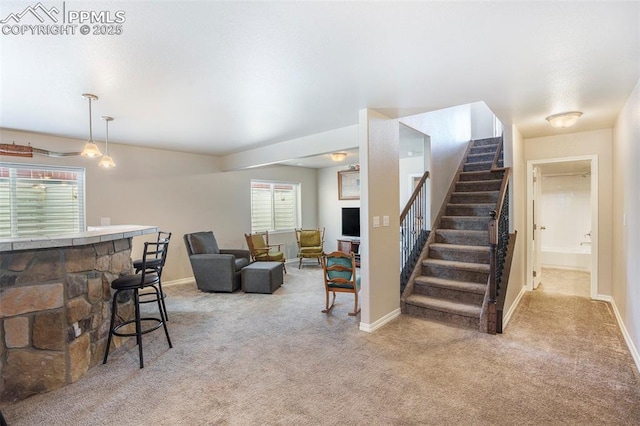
(623, 328)
(512, 308)
(179, 281)
(370, 328)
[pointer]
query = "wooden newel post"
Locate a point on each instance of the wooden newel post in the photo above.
(493, 243)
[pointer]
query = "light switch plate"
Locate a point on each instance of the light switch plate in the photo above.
(385, 220)
(376, 221)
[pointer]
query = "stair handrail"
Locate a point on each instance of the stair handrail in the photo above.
(496, 157)
(414, 195)
(413, 235)
(498, 229)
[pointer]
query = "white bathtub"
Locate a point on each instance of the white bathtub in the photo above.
(567, 258)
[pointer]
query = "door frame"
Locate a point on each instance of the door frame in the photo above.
(594, 217)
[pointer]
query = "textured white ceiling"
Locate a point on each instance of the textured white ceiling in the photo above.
(223, 77)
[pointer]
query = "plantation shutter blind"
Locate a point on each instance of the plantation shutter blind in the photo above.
(40, 200)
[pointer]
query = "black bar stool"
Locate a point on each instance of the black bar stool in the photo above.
(155, 263)
(135, 283)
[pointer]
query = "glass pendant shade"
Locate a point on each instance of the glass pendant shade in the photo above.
(106, 161)
(90, 148)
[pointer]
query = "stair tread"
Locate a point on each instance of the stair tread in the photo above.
(443, 305)
(467, 266)
(479, 181)
(467, 286)
(466, 218)
(461, 247)
(471, 204)
(477, 192)
(462, 231)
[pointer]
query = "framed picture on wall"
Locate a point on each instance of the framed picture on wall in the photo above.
(349, 185)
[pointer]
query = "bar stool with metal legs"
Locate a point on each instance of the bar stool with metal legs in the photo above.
(144, 280)
(155, 263)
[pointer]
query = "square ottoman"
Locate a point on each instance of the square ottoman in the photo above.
(262, 277)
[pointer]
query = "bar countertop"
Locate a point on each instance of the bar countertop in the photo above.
(94, 234)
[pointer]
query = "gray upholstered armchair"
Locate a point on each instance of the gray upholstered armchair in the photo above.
(214, 269)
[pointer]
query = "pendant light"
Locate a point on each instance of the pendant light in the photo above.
(90, 148)
(106, 160)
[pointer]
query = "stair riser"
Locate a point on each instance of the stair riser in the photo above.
(471, 256)
(474, 198)
(455, 274)
(468, 240)
(483, 149)
(493, 185)
(449, 294)
(463, 210)
(444, 317)
(476, 167)
(467, 177)
(477, 158)
(480, 224)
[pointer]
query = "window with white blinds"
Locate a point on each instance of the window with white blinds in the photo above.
(40, 200)
(274, 206)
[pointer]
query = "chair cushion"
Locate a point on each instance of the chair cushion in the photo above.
(241, 263)
(258, 241)
(133, 281)
(343, 261)
(309, 238)
(311, 250)
(276, 256)
(203, 243)
(344, 285)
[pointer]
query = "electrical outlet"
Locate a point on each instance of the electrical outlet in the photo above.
(76, 329)
(105, 221)
(385, 220)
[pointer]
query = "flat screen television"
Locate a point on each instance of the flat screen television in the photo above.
(351, 221)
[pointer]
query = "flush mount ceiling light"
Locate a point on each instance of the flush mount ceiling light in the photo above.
(564, 119)
(90, 148)
(338, 156)
(106, 160)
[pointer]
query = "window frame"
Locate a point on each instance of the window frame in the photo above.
(47, 173)
(297, 205)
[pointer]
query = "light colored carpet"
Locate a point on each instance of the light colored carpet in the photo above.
(253, 359)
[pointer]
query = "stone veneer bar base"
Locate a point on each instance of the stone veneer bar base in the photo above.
(54, 314)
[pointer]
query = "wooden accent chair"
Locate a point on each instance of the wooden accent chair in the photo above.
(310, 244)
(262, 251)
(340, 277)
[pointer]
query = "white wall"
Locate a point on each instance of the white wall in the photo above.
(514, 158)
(409, 167)
(559, 195)
(178, 192)
(450, 132)
(329, 207)
(598, 143)
(482, 121)
(626, 219)
(380, 246)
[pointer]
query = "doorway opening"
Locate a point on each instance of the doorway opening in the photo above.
(562, 224)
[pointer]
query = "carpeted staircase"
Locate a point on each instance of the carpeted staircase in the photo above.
(451, 281)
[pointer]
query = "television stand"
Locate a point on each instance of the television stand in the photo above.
(348, 245)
